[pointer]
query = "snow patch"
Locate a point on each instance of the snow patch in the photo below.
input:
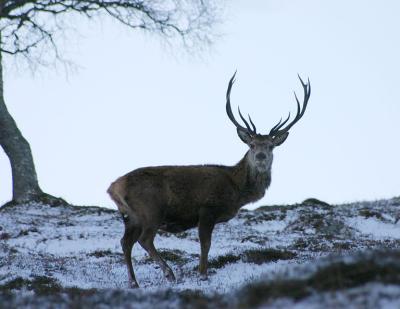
(375, 227)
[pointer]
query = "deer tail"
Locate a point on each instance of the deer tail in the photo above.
(127, 213)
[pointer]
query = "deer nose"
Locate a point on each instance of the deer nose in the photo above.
(260, 156)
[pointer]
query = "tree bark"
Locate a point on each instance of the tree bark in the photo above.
(25, 183)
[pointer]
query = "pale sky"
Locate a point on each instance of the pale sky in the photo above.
(135, 102)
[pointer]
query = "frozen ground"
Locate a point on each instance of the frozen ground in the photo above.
(308, 255)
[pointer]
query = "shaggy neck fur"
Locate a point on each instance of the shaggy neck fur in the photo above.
(251, 182)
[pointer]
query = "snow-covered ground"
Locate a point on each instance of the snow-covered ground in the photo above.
(68, 250)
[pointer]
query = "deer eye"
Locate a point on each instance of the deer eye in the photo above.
(252, 146)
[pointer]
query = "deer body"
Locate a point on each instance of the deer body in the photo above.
(178, 193)
(177, 198)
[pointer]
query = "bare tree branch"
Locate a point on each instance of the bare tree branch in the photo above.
(28, 25)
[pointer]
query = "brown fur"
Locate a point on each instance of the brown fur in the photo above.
(177, 198)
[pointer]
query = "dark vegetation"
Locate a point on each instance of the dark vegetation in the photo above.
(380, 266)
(256, 256)
(175, 256)
(41, 285)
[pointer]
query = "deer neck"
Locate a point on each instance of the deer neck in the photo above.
(250, 182)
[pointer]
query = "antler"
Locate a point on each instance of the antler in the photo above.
(251, 131)
(277, 129)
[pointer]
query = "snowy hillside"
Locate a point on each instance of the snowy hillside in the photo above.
(306, 255)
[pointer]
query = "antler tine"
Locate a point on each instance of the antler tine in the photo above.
(252, 124)
(275, 126)
(246, 123)
(279, 125)
(300, 110)
(229, 109)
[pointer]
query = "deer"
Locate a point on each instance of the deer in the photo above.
(178, 198)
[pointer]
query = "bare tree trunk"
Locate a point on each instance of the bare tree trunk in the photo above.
(24, 179)
(25, 183)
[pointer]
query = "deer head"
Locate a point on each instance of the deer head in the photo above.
(261, 145)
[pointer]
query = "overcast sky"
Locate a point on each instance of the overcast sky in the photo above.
(135, 102)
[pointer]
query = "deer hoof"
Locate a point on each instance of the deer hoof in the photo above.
(203, 277)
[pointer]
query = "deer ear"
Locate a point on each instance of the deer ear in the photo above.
(278, 140)
(244, 136)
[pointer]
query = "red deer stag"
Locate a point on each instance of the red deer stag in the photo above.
(177, 198)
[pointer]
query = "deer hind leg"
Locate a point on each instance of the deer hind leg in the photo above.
(131, 235)
(147, 242)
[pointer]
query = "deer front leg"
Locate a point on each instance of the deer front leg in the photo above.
(206, 226)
